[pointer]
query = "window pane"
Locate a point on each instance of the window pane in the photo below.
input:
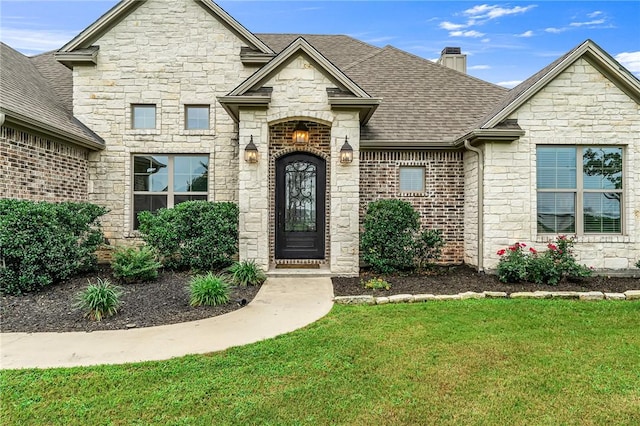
(150, 173)
(182, 198)
(197, 117)
(144, 116)
(556, 212)
(556, 167)
(411, 179)
(602, 212)
(191, 174)
(602, 168)
(148, 203)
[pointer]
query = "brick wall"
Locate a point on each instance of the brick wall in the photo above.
(39, 169)
(441, 205)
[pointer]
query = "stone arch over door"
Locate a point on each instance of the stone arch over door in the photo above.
(280, 145)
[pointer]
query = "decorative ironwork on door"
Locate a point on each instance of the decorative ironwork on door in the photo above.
(300, 197)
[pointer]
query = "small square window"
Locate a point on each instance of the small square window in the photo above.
(196, 117)
(143, 116)
(411, 179)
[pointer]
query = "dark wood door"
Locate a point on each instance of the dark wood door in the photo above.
(300, 206)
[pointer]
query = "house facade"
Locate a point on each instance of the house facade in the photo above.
(160, 102)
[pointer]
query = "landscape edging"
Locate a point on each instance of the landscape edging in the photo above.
(411, 298)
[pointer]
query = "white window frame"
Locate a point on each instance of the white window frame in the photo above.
(580, 190)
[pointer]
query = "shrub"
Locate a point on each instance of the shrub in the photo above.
(428, 247)
(42, 243)
(208, 290)
(387, 242)
(638, 264)
(555, 264)
(195, 234)
(246, 273)
(134, 265)
(99, 300)
(377, 284)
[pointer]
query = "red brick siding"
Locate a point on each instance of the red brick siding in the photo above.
(441, 206)
(39, 169)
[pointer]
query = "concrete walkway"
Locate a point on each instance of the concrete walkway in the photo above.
(281, 306)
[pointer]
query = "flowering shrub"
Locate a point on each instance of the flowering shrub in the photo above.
(552, 266)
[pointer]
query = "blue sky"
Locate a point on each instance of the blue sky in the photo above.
(506, 42)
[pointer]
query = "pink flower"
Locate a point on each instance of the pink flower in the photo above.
(552, 247)
(562, 237)
(532, 250)
(514, 248)
(522, 244)
(501, 252)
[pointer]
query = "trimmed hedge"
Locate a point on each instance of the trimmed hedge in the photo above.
(42, 243)
(197, 235)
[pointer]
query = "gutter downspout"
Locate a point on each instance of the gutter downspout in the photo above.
(478, 151)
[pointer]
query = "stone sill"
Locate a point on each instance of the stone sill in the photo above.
(616, 239)
(409, 298)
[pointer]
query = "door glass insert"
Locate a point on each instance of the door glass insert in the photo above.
(300, 197)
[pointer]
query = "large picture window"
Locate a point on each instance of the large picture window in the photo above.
(166, 180)
(579, 189)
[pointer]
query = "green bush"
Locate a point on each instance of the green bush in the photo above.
(387, 242)
(199, 235)
(99, 300)
(392, 241)
(377, 284)
(135, 265)
(246, 273)
(638, 264)
(208, 290)
(554, 265)
(42, 243)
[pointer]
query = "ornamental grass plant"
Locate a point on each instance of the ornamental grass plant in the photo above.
(208, 290)
(246, 273)
(99, 300)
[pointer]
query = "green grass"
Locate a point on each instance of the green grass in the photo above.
(471, 362)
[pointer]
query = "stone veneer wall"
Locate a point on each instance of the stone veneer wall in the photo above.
(41, 169)
(441, 205)
(170, 54)
(281, 143)
(579, 107)
(470, 208)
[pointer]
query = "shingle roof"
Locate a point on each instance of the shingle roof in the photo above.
(26, 95)
(340, 49)
(424, 104)
(58, 76)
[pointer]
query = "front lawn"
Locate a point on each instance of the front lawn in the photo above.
(462, 362)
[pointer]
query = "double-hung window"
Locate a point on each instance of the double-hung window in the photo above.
(167, 180)
(143, 116)
(579, 189)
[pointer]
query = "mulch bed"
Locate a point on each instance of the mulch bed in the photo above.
(165, 301)
(459, 279)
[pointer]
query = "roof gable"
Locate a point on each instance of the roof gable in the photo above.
(588, 50)
(121, 10)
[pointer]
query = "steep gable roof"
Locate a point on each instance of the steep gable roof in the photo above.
(27, 99)
(121, 10)
(425, 104)
(589, 50)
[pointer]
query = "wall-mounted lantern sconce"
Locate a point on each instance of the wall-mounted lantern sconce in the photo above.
(346, 152)
(301, 134)
(251, 152)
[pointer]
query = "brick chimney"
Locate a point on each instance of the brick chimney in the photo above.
(451, 57)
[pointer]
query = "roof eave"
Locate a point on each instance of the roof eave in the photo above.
(404, 145)
(11, 117)
(232, 104)
(478, 136)
(367, 106)
(71, 59)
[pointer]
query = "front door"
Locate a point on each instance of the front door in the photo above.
(300, 206)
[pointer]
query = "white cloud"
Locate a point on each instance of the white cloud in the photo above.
(449, 26)
(630, 60)
(594, 14)
(35, 41)
(471, 33)
(588, 23)
(485, 40)
(554, 30)
(509, 84)
(525, 34)
(485, 11)
(479, 67)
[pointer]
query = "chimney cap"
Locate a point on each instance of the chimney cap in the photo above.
(451, 51)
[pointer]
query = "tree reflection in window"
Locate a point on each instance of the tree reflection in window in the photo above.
(300, 197)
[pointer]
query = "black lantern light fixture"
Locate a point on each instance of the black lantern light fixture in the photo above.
(251, 152)
(346, 152)
(301, 133)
